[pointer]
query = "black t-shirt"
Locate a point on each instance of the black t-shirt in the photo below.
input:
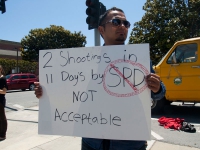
(3, 84)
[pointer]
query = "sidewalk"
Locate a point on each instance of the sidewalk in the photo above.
(22, 134)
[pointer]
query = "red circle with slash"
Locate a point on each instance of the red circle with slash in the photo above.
(135, 90)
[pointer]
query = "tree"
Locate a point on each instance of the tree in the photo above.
(164, 23)
(24, 66)
(27, 66)
(54, 37)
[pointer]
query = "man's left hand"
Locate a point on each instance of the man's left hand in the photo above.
(153, 82)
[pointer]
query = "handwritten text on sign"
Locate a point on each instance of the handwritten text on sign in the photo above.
(97, 92)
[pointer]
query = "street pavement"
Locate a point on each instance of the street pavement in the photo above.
(22, 134)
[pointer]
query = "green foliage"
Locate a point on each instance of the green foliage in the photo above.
(8, 65)
(24, 66)
(54, 37)
(164, 23)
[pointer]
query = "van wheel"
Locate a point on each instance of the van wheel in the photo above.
(157, 106)
(31, 87)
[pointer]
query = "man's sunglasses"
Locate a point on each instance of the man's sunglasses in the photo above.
(118, 22)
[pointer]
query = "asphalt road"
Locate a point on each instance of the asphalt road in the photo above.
(190, 114)
(19, 100)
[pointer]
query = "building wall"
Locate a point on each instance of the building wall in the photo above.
(8, 49)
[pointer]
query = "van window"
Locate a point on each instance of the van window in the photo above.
(8, 76)
(32, 76)
(186, 53)
(15, 77)
(24, 76)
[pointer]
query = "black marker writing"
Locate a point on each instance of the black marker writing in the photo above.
(83, 96)
(51, 78)
(131, 57)
(69, 59)
(66, 76)
(97, 76)
(87, 118)
(50, 57)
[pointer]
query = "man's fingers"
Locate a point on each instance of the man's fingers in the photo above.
(153, 82)
(38, 90)
(36, 83)
(38, 94)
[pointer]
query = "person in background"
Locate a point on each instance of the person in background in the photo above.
(3, 120)
(113, 28)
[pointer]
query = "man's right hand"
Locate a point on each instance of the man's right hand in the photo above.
(38, 89)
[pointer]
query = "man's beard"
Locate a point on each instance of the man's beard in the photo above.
(120, 39)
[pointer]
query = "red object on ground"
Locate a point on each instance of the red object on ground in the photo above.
(172, 123)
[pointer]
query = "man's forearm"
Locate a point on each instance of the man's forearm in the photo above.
(160, 94)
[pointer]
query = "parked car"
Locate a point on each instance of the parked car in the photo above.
(21, 81)
(179, 70)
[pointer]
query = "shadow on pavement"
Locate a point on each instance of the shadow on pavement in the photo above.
(15, 91)
(31, 109)
(22, 121)
(11, 108)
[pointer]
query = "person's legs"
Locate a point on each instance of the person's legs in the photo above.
(84, 146)
(3, 123)
(143, 147)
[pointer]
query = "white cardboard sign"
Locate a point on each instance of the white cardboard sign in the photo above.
(96, 92)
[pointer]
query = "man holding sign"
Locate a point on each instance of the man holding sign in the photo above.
(113, 28)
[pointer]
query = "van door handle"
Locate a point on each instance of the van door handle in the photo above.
(195, 66)
(175, 64)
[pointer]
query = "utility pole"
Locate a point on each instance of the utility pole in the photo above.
(17, 59)
(97, 41)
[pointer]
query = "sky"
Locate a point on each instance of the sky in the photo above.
(23, 15)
